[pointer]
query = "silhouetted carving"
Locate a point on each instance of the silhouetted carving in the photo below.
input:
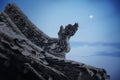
(51, 45)
(26, 53)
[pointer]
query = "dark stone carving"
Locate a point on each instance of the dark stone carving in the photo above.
(26, 53)
(51, 45)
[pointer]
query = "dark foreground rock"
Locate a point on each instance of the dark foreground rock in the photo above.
(26, 53)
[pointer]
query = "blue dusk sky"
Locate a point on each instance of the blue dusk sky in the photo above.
(97, 42)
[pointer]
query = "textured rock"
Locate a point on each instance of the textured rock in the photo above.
(26, 53)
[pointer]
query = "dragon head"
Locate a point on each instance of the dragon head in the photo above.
(68, 31)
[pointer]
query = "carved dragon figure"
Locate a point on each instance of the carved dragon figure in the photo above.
(51, 45)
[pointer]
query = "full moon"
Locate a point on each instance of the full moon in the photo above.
(91, 16)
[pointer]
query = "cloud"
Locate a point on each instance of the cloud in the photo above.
(95, 49)
(78, 44)
(111, 54)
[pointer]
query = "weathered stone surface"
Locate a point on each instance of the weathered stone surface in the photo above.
(26, 53)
